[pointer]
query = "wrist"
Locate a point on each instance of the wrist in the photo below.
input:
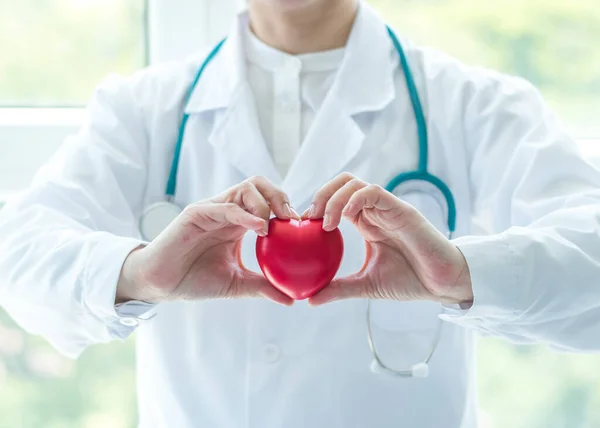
(130, 286)
(462, 290)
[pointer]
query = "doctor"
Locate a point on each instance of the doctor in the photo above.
(307, 105)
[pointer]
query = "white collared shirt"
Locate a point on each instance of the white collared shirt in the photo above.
(289, 90)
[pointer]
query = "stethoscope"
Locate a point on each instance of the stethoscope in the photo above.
(158, 216)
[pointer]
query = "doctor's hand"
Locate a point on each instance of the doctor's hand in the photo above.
(407, 257)
(197, 256)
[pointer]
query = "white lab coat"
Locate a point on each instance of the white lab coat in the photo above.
(518, 179)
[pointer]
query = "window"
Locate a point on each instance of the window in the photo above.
(53, 54)
(552, 43)
(75, 43)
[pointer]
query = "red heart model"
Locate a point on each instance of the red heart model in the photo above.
(298, 257)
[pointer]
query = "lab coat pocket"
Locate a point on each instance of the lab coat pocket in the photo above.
(404, 333)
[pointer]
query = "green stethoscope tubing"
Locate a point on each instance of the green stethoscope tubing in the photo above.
(421, 173)
(172, 182)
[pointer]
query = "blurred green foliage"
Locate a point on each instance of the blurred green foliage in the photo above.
(41, 389)
(56, 52)
(551, 43)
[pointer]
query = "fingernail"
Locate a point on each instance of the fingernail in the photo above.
(295, 214)
(287, 210)
(311, 211)
(326, 221)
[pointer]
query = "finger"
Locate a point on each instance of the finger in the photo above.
(306, 213)
(214, 216)
(337, 203)
(276, 198)
(317, 209)
(250, 198)
(255, 285)
(371, 196)
(238, 216)
(355, 286)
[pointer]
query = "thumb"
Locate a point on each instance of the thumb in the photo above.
(252, 284)
(357, 286)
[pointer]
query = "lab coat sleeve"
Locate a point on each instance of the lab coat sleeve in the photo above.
(536, 277)
(64, 240)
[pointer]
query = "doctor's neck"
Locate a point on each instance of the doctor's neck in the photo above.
(302, 26)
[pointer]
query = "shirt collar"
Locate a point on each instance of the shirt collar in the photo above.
(268, 58)
(364, 81)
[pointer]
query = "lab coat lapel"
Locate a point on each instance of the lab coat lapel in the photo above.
(223, 90)
(332, 141)
(237, 135)
(364, 83)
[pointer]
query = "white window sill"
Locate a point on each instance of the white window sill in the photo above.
(31, 117)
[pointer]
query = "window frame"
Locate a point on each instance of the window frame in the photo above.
(34, 133)
(39, 131)
(4, 107)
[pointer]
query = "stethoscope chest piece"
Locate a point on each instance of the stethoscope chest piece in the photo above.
(156, 218)
(419, 370)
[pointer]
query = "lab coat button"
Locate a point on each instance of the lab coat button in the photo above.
(272, 353)
(129, 322)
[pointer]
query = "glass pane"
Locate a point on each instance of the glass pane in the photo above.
(40, 388)
(535, 387)
(551, 43)
(55, 52)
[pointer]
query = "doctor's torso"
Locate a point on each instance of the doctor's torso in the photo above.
(252, 363)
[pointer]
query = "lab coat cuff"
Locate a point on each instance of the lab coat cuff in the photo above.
(495, 272)
(101, 278)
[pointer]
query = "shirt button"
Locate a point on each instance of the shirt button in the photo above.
(288, 106)
(293, 64)
(272, 353)
(129, 322)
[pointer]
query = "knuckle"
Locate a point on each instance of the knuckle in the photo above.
(257, 179)
(356, 183)
(246, 186)
(189, 209)
(346, 176)
(375, 188)
(193, 209)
